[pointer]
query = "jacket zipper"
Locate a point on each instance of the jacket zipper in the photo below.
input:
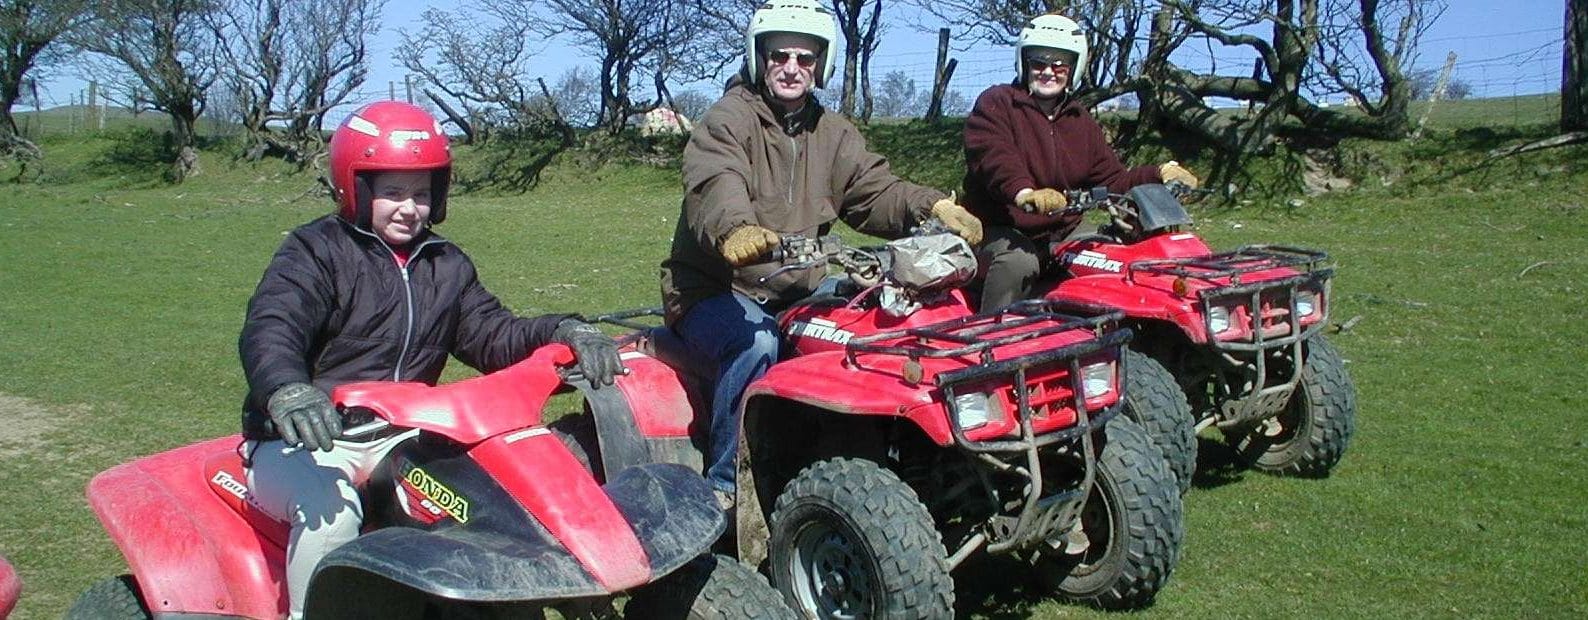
(793, 162)
(408, 298)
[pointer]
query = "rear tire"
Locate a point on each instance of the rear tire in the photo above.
(1154, 400)
(851, 540)
(1310, 435)
(711, 587)
(114, 598)
(1133, 521)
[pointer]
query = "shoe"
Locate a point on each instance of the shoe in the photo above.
(725, 500)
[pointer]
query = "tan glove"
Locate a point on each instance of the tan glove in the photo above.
(748, 242)
(957, 219)
(1043, 201)
(1172, 172)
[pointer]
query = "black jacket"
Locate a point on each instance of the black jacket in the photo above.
(333, 307)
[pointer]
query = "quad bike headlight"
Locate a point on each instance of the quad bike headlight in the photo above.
(1306, 303)
(1219, 319)
(976, 408)
(1097, 379)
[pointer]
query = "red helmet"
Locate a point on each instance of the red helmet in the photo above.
(387, 136)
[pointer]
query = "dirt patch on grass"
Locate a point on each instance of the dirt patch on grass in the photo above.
(27, 421)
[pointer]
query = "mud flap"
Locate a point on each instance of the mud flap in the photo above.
(616, 431)
(669, 508)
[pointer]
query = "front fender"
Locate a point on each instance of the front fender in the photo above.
(665, 512)
(825, 380)
(1149, 297)
(190, 552)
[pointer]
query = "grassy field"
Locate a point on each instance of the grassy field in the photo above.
(1462, 495)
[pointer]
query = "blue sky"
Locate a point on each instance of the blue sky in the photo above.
(1502, 49)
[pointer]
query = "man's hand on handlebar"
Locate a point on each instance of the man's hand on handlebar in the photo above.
(957, 219)
(748, 244)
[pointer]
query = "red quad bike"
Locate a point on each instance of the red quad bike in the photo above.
(10, 588)
(480, 512)
(901, 433)
(1234, 338)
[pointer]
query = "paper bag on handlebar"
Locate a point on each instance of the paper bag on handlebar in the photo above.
(931, 263)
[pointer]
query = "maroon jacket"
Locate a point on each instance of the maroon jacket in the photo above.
(1011, 145)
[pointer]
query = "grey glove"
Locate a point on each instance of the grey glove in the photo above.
(595, 353)
(304, 416)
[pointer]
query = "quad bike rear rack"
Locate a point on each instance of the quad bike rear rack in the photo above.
(1263, 398)
(1039, 516)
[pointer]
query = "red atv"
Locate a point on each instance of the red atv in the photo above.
(901, 433)
(10, 588)
(480, 512)
(1240, 332)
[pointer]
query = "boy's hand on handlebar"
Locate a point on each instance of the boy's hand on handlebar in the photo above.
(745, 244)
(957, 220)
(1173, 172)
(595, 353)
(1044, 201)
(304, 416)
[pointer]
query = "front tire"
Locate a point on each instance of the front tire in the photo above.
(851, 540)
(1133, 522)
(114, 598)
(1310, 435)
(1154, 400)
(711, 587)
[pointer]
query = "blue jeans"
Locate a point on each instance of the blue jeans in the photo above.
(732, 338)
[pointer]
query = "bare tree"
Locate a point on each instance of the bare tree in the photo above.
(625, 37)
(1574, 69)
(291, 62)
(481, 56)
(860, 25)
(578, 97)
(28, 32)
(170, 52)
(718, 43)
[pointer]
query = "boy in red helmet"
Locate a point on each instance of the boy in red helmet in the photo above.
(369, 293)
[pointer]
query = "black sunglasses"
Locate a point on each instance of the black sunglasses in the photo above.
(778, 57)
(1037, 64)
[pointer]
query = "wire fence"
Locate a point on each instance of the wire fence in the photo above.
(1533, 70)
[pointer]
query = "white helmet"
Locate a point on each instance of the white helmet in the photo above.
(1055, 31)
(806, 17)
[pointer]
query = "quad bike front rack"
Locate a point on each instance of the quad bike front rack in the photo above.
(1269, 328)
(1039, 515)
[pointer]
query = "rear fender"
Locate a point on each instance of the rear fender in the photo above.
(190, 552)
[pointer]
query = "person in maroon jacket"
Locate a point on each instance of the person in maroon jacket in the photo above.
(1025, 144)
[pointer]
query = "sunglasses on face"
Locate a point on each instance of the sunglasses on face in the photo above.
(779, 57)
(1039, 65)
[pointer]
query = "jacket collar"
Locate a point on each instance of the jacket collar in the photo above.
(792, 123)
(425, 239)
(1022, 97)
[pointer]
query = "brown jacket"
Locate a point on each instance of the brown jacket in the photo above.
(1011, 145)
(745, 164)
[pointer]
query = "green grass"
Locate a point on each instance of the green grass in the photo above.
(1462, 494)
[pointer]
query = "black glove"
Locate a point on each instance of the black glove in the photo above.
(595, 352)
(304, 416)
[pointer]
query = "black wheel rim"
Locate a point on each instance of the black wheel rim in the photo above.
(830, 572)
(1099, 520)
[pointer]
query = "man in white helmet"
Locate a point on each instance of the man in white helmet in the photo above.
(767, 160)
(1027, 142)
